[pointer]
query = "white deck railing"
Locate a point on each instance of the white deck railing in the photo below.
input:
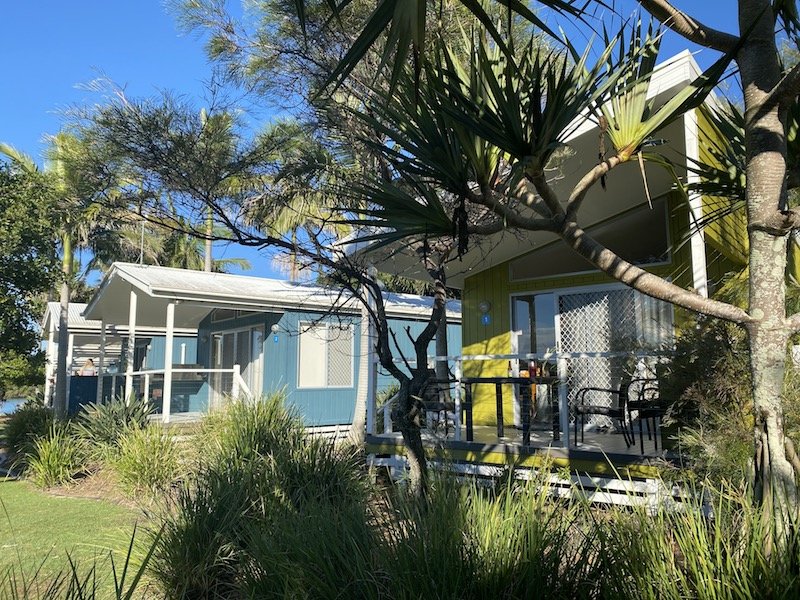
(192, 390)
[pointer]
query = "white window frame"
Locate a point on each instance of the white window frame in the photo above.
(306, 327)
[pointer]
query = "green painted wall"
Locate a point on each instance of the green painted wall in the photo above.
(727, 233)
(494, 285)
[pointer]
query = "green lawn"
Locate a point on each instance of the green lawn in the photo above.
(40, 530)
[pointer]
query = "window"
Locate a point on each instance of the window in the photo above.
(223, 314)
(534, 323)
(325, 355)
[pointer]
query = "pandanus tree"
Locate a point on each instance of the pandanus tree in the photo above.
(481, 136)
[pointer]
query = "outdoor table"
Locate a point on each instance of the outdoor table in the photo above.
(524, 384)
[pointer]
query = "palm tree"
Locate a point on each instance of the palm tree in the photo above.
(77, 187)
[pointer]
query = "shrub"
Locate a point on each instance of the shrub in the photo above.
(259, 468)
(104, 424)
(30, 421)
(56, 458)
(245, 430)
(709, 383)
(147, 460)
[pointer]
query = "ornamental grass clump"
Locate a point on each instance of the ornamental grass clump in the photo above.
(249, 429)
(323, 551)
(522, 538)
(102, 424)
(256, 469)
(725, 549)
(56, 459)
(147, 461)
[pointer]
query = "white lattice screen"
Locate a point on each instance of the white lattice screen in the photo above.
(601, 321)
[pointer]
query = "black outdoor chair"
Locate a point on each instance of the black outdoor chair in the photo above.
(648, 408)
(618, 412)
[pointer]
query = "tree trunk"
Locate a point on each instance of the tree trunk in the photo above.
(774, 480)
(208, 259)
(60, 396)
(765, 142)
(407, 416)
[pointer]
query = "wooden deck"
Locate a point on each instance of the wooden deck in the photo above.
(601, 454)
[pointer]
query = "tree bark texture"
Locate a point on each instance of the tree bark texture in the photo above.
(765, 142)
(60, 394)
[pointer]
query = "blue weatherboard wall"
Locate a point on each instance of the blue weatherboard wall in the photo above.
(155, 355)
(318, 406)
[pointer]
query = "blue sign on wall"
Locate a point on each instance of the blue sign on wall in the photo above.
(486, 319)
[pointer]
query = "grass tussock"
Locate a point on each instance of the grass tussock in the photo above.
(270, 512)
(56, 458)
(147, 461)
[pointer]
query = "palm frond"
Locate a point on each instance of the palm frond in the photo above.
(632, 117)
(400, 210)
(405, 21)
(19, 158)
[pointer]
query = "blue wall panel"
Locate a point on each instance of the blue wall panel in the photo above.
(318, 406)
(155, 355)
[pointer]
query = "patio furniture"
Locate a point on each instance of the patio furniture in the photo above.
(526, 406)
(648, 407)
(618, 412)
(438, 411)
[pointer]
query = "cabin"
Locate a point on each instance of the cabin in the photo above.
(253, 336)
(86, 337)
(536, 314)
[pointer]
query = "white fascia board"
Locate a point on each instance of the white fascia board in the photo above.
(677, 70)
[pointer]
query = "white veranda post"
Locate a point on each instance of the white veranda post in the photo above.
(129, 354)
(697, 240)
(372, 369)
(101, 362)
(70, 353)
(50, 367)
(167, 393)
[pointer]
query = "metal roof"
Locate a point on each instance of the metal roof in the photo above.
(77, 323)
(197, 292)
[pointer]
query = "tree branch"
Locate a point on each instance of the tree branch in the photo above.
(688, 27)
(793, 322)
(508, 217)
(778, 222)
(645, 282)
(548, 195)
(579, 192)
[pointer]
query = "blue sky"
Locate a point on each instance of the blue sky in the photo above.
(52, 48)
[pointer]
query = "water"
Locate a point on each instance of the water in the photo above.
(10, 405)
